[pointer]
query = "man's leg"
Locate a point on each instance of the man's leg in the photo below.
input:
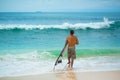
(68, 61)
(73, 57)
(69, 55)
(72, 63)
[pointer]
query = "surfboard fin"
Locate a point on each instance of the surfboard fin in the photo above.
(59, 61)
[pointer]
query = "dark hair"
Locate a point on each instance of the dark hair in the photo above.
(72, 32)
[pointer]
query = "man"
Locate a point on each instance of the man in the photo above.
(72, 41)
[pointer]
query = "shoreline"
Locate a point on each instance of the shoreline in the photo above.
(59, 71)
(69, 75)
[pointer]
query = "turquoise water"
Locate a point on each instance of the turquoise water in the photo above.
(50, 38)
(33, 39)
(49, 30)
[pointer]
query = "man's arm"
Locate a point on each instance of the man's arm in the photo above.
(77, 42)
(66, 43)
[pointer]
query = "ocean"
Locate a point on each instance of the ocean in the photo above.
(30, 42)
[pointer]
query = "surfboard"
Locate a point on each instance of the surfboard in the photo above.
(59, 59)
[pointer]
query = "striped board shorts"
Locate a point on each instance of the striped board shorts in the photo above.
(71, 53)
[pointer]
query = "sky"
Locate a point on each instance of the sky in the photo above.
(60, 5)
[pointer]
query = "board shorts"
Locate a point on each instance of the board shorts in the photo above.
(71, 53)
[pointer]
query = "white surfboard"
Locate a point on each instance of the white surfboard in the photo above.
(59, 59)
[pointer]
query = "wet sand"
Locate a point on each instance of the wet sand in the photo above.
(70, 75)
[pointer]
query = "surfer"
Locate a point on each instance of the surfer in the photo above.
(72, 41)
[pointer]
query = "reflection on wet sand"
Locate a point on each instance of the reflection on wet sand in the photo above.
(67, 75)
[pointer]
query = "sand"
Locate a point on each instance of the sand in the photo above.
(70, 75)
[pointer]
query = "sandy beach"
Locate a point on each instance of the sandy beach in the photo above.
(70, 75)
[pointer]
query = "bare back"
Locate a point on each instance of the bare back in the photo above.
(72, 40)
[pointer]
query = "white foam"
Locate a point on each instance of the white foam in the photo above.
(27, 67)
(95, 25)
(25, 63)
(27, 56)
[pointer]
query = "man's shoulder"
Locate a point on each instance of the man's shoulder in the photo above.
(67, 37)
(71, 36)
(75, 36)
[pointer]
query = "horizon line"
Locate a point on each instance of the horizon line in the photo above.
(56, 11)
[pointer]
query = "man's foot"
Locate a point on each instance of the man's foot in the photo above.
(68, 63)
(69, 68)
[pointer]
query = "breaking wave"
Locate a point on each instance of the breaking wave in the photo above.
(92, 25)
